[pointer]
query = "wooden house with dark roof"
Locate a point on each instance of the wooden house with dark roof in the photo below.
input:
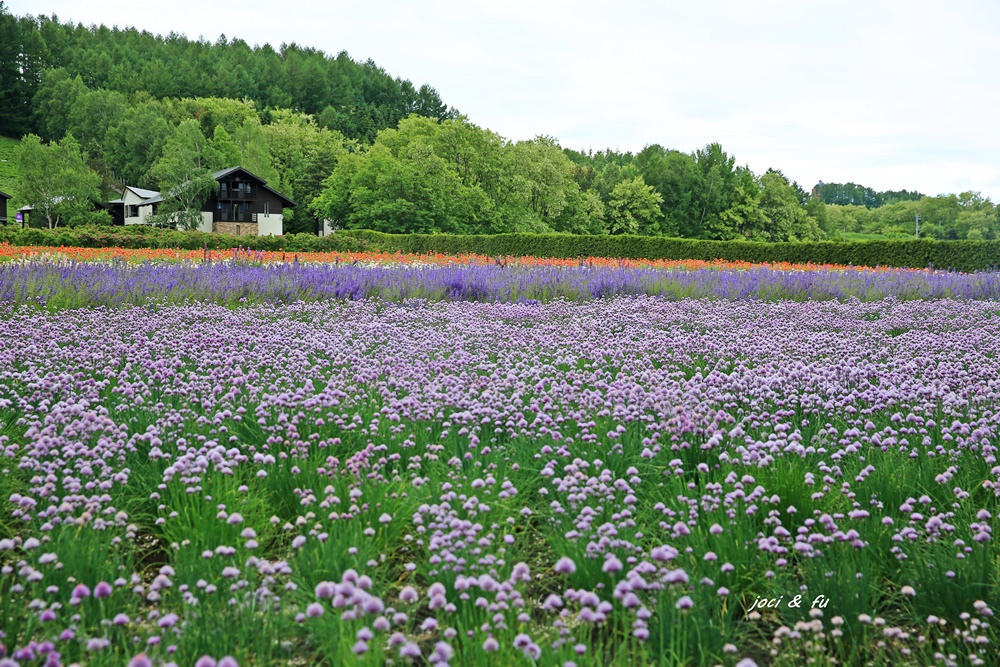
(243, 203)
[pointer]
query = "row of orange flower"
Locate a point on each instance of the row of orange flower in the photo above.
(8, 251)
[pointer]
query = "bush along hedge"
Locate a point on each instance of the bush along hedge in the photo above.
(924, 253)
(141, 236)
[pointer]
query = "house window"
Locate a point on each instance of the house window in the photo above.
(237, 230)
(267, 207)
(132, 211)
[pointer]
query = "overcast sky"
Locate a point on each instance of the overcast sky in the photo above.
(890, 94)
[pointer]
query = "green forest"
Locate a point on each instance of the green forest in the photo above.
(95, 108)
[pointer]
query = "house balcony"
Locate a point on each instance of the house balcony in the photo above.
(236, 195)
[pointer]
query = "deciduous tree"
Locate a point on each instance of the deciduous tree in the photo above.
(786, 219)
(56, 181)
(634, 207)
(184, 176)
(136, 142)
(304, 155)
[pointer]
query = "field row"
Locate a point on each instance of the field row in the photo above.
(70, 284)
(620, 481)
(72, 253)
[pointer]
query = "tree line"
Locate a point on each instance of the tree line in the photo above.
(106, 107)
(852, 194)
(454, 177)
(967, 215)
(38, 53)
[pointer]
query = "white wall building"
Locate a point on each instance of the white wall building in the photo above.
(242, 204)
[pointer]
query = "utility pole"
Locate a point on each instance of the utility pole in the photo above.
(918, 225)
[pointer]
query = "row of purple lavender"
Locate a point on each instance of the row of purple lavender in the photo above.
(81, 284)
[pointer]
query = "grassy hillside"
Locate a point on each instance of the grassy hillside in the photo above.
(8, 166)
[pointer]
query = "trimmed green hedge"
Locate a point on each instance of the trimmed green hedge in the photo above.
(141, 236)
(924, 253)
(952, 255)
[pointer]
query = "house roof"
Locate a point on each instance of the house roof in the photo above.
(5, 195)
(148, 196)
(225, 172)
(154, 197)
(222, 173)
(145, 194)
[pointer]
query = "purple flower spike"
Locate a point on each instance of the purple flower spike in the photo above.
(664, 553)
(565, 565)
(409, 594)
(409, 650)
(443, 652)
(612, 564)
(97, 643)
(102, 590)
(325, 590)
(168, 621)
(141, 660)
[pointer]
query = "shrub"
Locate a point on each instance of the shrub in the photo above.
(969, 255)
(911, 253)
(141, 236)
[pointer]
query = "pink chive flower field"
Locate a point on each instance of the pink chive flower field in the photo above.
(304, 464)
